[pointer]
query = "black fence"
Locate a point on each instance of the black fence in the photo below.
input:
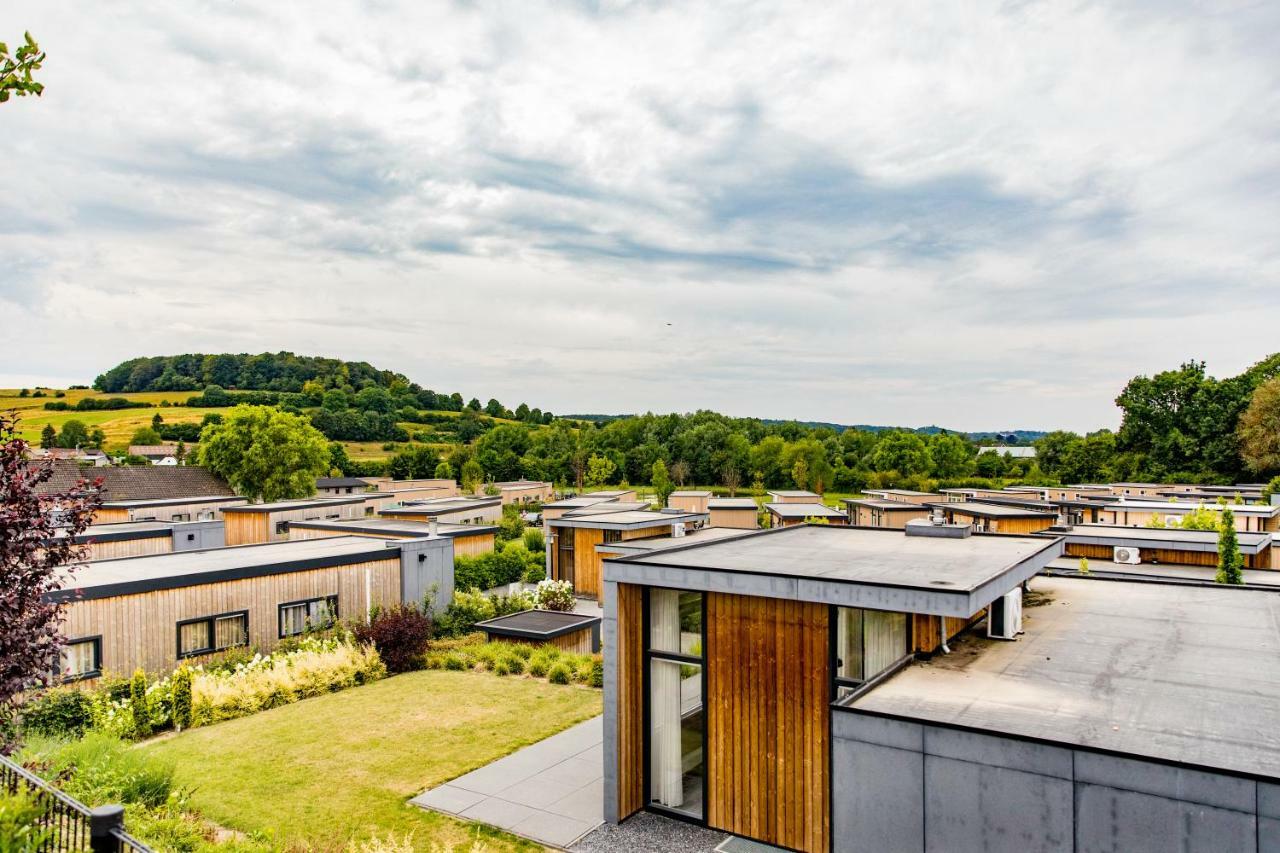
(65, 824)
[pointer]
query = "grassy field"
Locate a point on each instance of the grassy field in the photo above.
(119, 425)
(337, 768)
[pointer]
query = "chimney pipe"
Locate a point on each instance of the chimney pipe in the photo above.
(433, 528)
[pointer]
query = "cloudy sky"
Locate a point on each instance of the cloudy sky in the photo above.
(986, 216)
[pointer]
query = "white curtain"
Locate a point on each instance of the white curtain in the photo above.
(886, 640)
(849, 643)
(666, 771)
(230, 631)
(193, 637)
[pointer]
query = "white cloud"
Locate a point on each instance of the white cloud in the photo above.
(979, 215)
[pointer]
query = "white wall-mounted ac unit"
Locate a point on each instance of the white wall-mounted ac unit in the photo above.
(1004, 616)
(677, 530)
(1128, 556)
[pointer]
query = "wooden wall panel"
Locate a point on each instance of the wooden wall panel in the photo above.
(738, 519)
(110, 515)
(141, 630)
(926, 631)
(245, 528)
(768, 721)
(588, 565)
(630, 693)
(1167, 556)
(131, 547)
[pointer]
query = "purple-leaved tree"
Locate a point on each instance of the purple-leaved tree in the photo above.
(37, 554)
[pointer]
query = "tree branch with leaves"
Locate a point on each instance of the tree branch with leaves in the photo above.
(16, 68)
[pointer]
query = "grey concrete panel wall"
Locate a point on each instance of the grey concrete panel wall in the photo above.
(426, 568)
(609, 626)
(902, 785)
(198, 535)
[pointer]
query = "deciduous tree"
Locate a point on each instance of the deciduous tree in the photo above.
(16, 69)
(265, 453)
(661, 482)
(1259, 431)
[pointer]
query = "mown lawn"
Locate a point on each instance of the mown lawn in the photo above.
(337, 768)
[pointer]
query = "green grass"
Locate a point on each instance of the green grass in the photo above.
(325, 771)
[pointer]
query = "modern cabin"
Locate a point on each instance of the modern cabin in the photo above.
(689, 500)
(1149, 490)
(1142, 548)
(903, 495)
(613, 494)
(151, 612)
(556, 509)
(572, 539)
(142, 538)
(525, 492)
(337, 486)
(1257, 518)
(196, 508)
(793, 496)
(468, 539)
(739, 513)
(256, 524)
(446, 488)
(459, 510)
(795, 512)
(724, 662)
(874, 512)
(998, 518)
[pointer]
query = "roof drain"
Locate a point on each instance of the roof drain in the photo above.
(942, 621)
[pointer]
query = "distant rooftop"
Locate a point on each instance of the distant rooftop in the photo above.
(341, 483)
(1176, 507)
(625, 519)
(690, 494)
(139, 482)
(1015, 452)
(306, 503)
(991, 510)
(793, 493)
(604, 507)
(731, 503)
(662, 543)
(1173, 538)
(397, 527)
(583, 500)
(439, 506)
(887, 505)
(1184, 674)
(805, 510)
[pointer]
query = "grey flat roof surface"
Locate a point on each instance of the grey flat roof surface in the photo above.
(892, 506)
(625, 518)
(395, 527)
(794, 493)
(127, 527)
(1181, 673)
(690, 494)
(606, 507)
(1188, 506)
(661, 543)
(731, 503)
(993, 510)
(1171, 536)
(438, 505)
(195, 499)
(805, 510)
(189, 564)
(910, 492)
(546, 622)
(285, 506)
(861, 555)
(576, 502)
(610, 493)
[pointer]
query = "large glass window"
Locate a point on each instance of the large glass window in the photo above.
(564, 559)
(212, 634)
(81, 658)
(298, 617)
(867, 643)
(677, 726)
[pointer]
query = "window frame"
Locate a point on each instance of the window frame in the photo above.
(334, 613)
(857, 687)
(648, 656)
(213, 634)
(96, 672)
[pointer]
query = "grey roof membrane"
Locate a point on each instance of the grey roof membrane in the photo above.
(992, 510)
(804, 510)
(1171, 538)
(395, 527)
(1181, 673)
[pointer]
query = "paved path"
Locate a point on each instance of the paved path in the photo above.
(551, 792)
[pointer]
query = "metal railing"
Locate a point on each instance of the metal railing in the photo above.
(65, 823)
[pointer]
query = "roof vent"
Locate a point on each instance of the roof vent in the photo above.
(930, 527)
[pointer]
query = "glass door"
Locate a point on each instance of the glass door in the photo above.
(676, 729)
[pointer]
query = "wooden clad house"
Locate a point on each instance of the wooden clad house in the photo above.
(1255, 518)
(141, 538)
(738, 513)
(998, 518)
(689, 500)
(446, 488)
(153, 611)
(724, 663)
(870, 512)
(459, 510)
(1172, 546)
(468, 539)
(903, 495)
(792, 513)
(254, 524)
(793, 496)
(525, 492)
(1149, 490)
(194, 508)
(572, 539)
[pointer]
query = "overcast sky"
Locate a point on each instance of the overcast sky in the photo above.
(985, 216)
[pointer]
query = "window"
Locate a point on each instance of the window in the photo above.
(181, 516)
(298, 617)
(612, 535)
(205, 515)
(82, 658)
(564, 559)
(212, 633)
(867, 642)
(282, 527)
(676, 742)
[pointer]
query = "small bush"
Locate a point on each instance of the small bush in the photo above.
(558, 674)
(19, 823)
(100, 769)
(556, 595)
(514, 664)
(534, 542)
(514, 603)
(400, 634)
(522, 651)
(500, 668)
(138, 704)
(538, 667)
(462, 614)
(597, 674)
(59, 712)
(182, 698)
(455, 662)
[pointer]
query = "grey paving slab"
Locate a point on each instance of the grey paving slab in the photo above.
(551, 792)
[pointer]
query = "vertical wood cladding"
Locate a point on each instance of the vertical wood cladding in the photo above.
(630, 691)
(768, 721)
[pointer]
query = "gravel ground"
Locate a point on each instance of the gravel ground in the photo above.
(646, 832)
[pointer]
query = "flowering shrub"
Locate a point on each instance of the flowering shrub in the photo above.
(555, 595)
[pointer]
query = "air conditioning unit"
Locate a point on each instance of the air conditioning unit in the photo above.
(1004, 616)
(677, 530)
(1128, 556)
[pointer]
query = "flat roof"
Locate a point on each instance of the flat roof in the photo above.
(340, 482)
(606, 507)
(285, 506)
(1186, 674)
(690, 494)
(805, 510)
(1191, 506)
(1173, 538)
(124, 530)
(610, 493)
(198, 499)
(396, 527)
(794, 493)
(626, 519)
(732, 503)
(661, 543)
(891, 506)
(584, 500)
(436, 506)
(854, 566)
(538, 624)
(986, 510)
(131, 575)
(905, 492)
